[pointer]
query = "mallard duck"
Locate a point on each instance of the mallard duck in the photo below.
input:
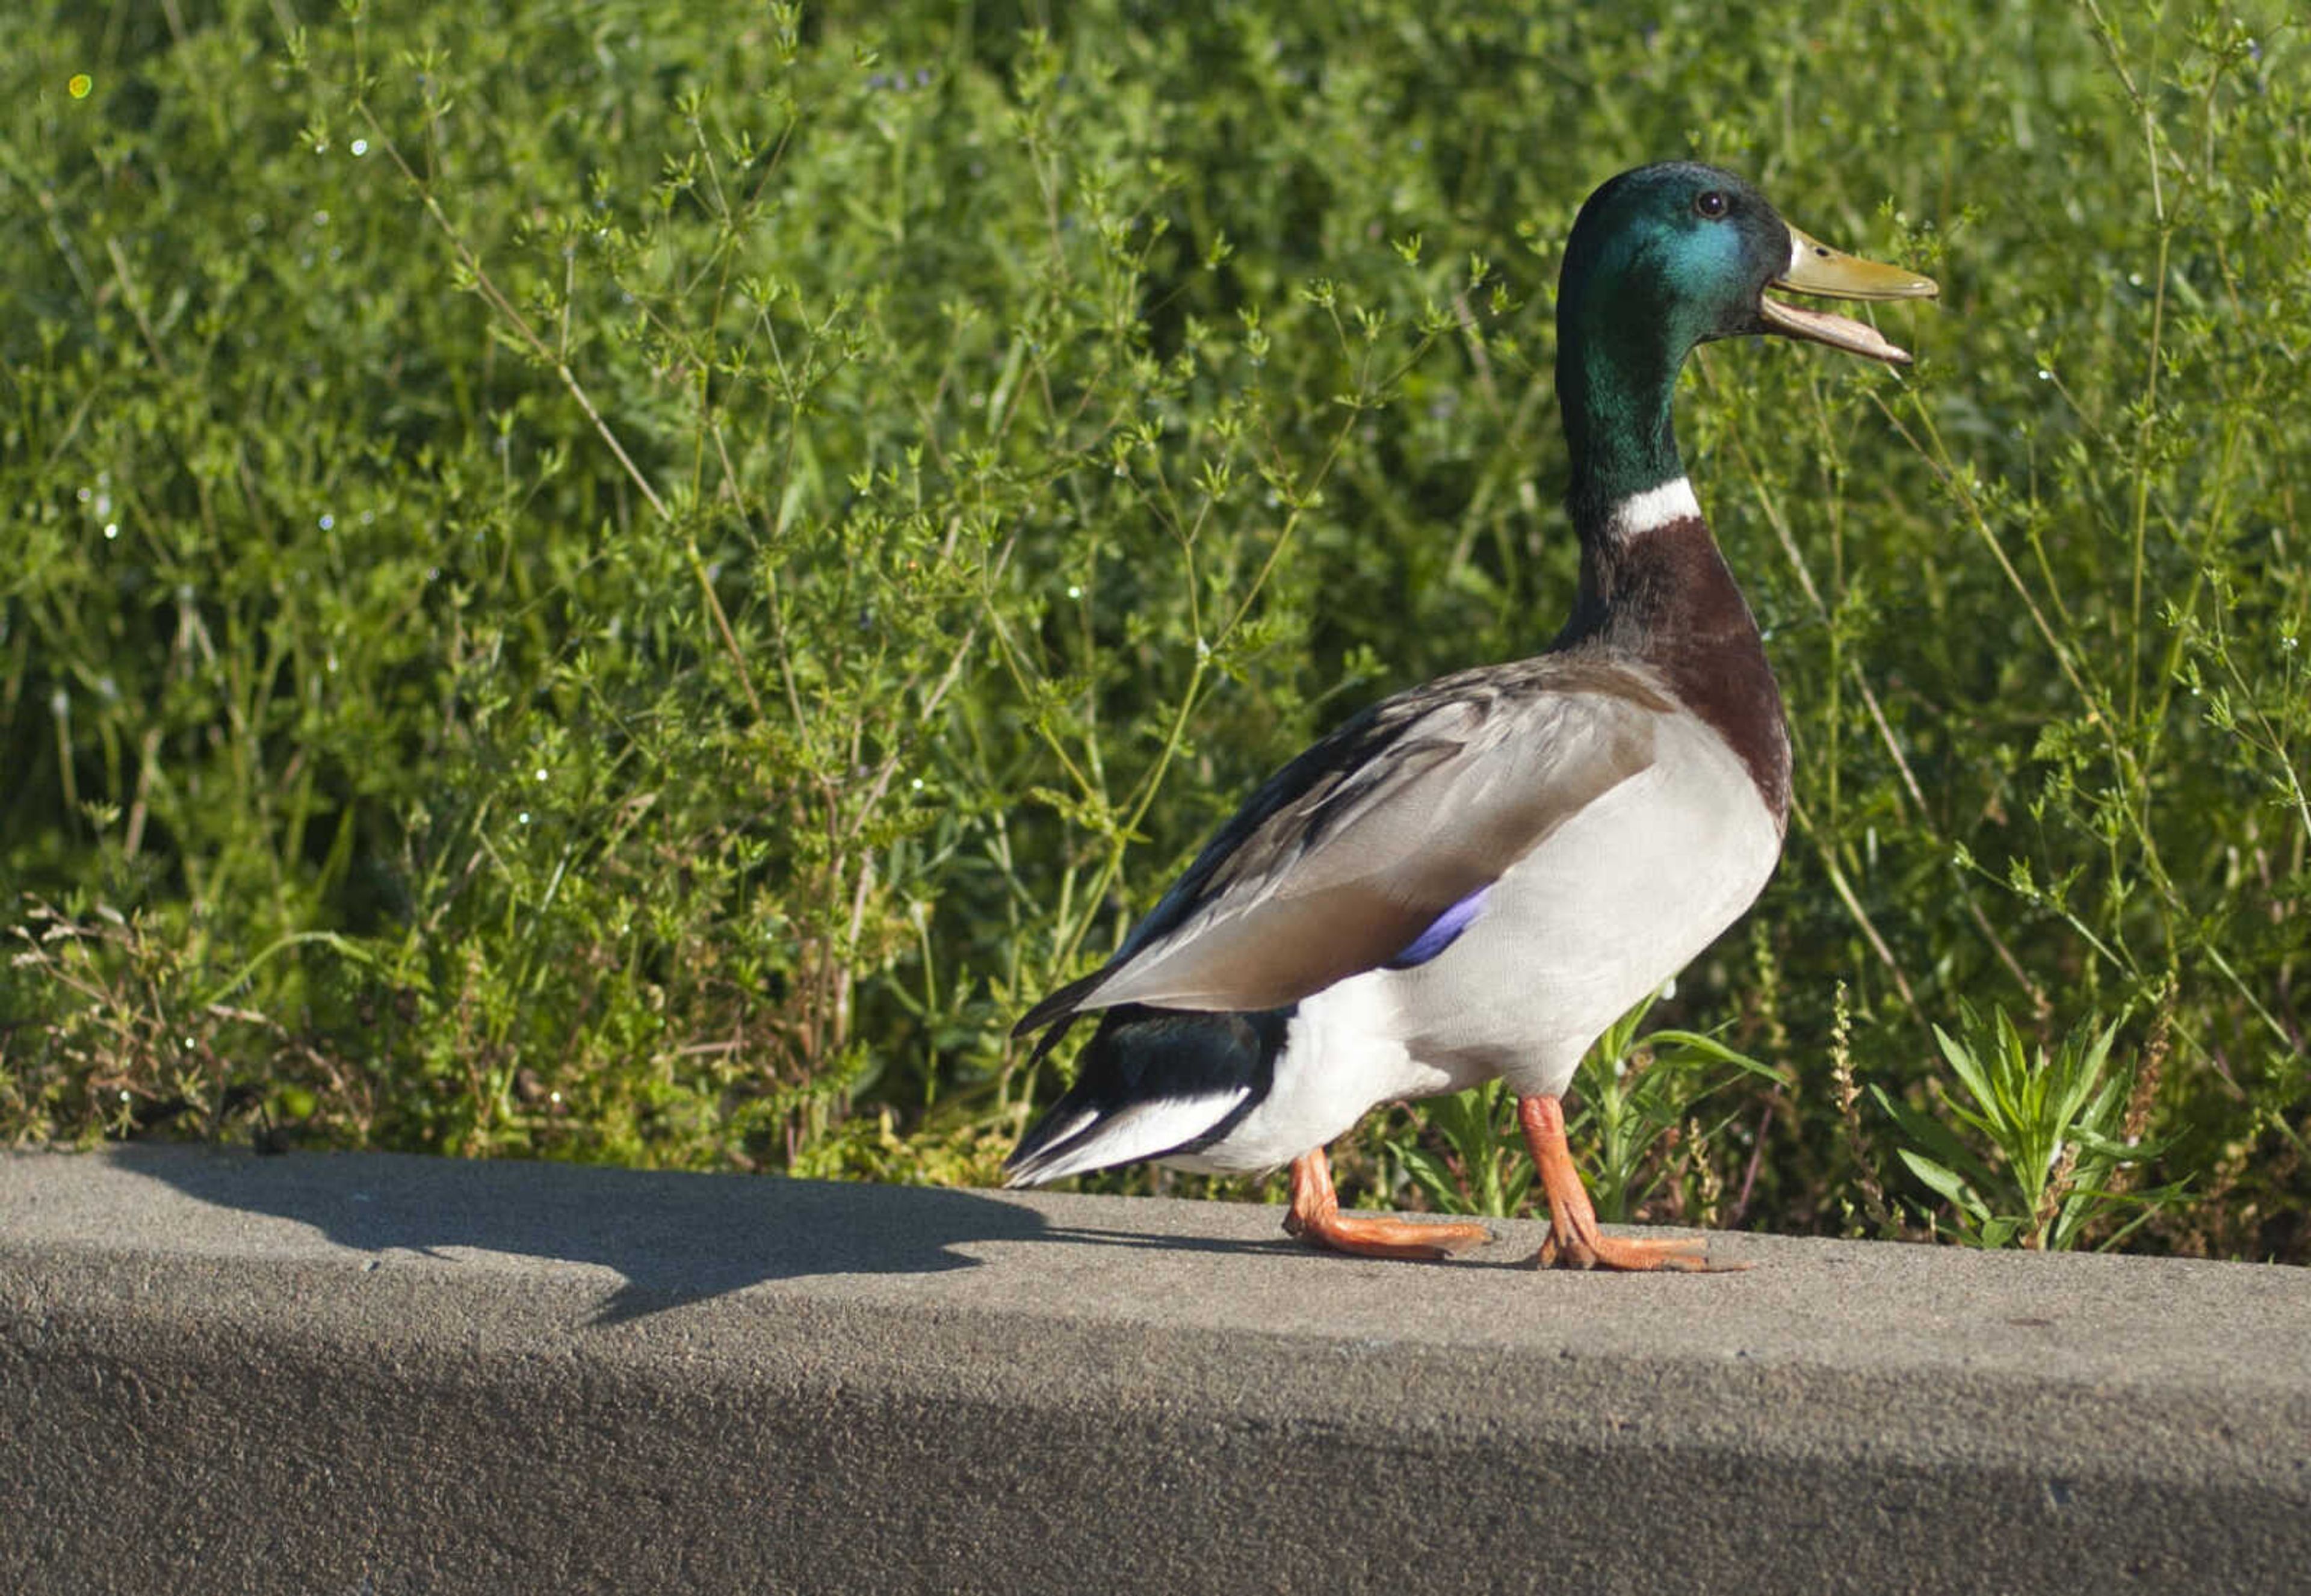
(1474, 877)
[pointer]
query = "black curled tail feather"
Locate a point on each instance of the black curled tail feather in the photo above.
(1153, 1082)
(1061, 1005)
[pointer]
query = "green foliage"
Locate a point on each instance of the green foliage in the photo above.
(2063, 1126)
(1468, 1161)
(633, 581)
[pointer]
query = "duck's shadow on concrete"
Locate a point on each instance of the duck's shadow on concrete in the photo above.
(673, 1238)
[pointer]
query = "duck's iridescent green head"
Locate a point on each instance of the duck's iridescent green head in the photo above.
(1662, 258)
(1684, 253)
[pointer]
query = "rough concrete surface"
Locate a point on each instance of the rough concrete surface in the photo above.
(384, 1375)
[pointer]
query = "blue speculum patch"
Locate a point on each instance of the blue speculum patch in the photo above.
(1442, 932)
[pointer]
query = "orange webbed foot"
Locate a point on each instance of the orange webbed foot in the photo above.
(1599, 1251)
(1315, 1217)
(1576, 1241)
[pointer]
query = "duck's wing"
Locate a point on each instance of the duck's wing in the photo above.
(1369, 843)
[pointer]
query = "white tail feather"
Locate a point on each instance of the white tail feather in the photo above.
(1142, 1130)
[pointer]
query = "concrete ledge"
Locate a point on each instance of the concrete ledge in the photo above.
(323, 1373)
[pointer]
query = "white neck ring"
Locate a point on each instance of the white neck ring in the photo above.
(1654, 508)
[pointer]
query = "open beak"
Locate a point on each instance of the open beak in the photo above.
(1815, 269)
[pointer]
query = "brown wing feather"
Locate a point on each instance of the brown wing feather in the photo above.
(1352, 851)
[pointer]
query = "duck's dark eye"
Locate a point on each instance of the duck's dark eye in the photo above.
(1709, 203)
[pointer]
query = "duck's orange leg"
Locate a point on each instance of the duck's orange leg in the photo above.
(1574, 1240)
(1315, 1217)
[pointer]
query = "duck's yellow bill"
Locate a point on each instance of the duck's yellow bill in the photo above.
(1815, 269)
